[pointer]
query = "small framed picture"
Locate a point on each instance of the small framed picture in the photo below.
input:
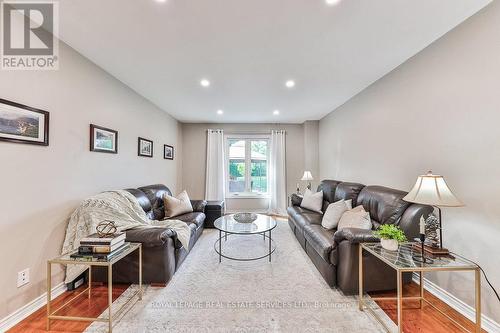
(145, 147)
(23, 124)
(103, 140)
(168, 152)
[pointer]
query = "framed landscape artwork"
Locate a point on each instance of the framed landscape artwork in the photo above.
(103, 140)
(145, 147)
(23, 124)
(168, 152)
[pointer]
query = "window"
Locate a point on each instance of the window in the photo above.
(247, 165)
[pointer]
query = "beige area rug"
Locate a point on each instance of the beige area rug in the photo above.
(286, 295)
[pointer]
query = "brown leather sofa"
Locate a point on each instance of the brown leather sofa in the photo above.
(335, 253)
(162, 252)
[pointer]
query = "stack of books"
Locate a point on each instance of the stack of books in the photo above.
(436, 251)
(96, 248)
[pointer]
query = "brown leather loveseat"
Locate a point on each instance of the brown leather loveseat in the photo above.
(335, 253)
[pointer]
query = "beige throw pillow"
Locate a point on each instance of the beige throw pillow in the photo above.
(312, 201)
(355, 218)
(334, 212)
(179, 205)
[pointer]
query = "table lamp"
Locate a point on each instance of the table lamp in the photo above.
(307, 177)
(432, 190)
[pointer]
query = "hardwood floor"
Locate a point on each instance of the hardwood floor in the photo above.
(82, 306)
(426, 319)
(415, 320)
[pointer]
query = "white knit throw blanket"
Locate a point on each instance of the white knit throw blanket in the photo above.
(124, 210)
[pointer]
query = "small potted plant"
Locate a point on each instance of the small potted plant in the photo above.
(390, 236)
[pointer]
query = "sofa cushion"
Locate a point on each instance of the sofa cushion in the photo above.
(385, 205)
(328, 187)
(320, 239)
(348, 191)
(195, 218)
(155, 195)
(143, 201)
(302, 217)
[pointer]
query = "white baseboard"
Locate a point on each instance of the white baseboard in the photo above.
(461, 307)
(15, 317)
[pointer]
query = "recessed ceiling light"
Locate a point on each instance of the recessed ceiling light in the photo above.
(332, 2)
(220, 112)
(290, 83)
(276, 112)
(161, 0)
(205, 83)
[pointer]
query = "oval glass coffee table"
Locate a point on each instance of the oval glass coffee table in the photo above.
(262, 226)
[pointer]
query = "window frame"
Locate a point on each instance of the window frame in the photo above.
(248, 138)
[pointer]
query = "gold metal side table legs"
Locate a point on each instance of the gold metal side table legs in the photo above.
(110, 298)
(49, 292)
(51, 314)
(400, 298)
(477, 278)
(360, 279)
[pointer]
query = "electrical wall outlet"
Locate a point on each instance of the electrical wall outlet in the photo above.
(23, 277)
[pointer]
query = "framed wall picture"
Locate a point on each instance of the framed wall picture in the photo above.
(168, 152)
(23, 124)
(103, 140)
(145, 147)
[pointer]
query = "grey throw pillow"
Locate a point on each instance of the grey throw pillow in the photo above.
(334, 212)
(312, 201)
(355, 218)
(175, 206)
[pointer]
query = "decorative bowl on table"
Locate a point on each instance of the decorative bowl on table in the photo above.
(245, 217)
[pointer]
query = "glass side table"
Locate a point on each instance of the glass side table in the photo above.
(401, 260)
(65, 259)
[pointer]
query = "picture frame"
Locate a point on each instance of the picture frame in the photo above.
(168, 152)
(103, 140)
(144, 147)
(23, 124)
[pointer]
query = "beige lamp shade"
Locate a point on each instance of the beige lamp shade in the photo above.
(307, 176)
(432, 190)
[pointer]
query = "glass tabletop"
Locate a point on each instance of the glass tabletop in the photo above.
(262, 224)
(402, 259)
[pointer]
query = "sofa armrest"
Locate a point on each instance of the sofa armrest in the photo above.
(355, 236)
(151, 237)
(296, 199)
(198, 205)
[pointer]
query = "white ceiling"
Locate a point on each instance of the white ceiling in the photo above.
(248, 49)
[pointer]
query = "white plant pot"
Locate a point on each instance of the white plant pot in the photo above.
(389, 244)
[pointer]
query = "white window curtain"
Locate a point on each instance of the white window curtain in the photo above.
(215, 178)
(277, 173)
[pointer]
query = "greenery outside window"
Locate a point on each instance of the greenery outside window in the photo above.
(247, 163)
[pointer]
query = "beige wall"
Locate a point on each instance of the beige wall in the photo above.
(311, 149)
(41, 186)
(440, 111)
(194, 142)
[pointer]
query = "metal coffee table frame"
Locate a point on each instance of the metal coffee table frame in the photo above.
(218, 249)
(223, 235)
